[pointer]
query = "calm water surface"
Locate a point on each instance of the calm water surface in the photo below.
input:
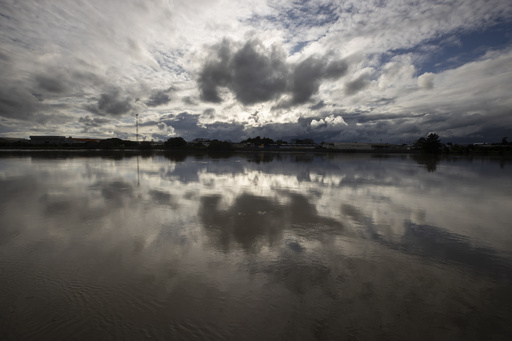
(255, 247)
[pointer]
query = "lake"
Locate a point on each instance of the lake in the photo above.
(255, 246)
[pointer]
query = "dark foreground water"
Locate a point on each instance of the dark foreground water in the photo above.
(255, 247)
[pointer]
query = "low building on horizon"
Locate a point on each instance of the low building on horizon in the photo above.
(349, 146)
(355, 146)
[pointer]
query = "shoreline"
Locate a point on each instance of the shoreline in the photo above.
(121, 151)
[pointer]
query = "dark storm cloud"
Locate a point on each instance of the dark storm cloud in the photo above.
(188, 126)
(184, 124)
(158, 98)
(368, 117)
(51, 84)
(95, 122)
(22, 97)
(308, 74)
(112, 103)
(62, 79)
(189, 100)
(383, 101)
(318, 106)
(215, 72)
(184, 121)
(257, 74)
(253, 73)
(225, 131)
(356, 85)
(306, 79)
(17, 102)
(335, 69)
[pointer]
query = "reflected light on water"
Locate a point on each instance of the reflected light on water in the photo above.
(255, 246)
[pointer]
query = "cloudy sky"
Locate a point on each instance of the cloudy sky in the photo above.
(353, 71)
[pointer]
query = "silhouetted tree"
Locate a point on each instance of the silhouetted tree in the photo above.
(258, 141)
(431, 144)
(175, 143)
(112, 143)
(216, 145)
(198, 146)
(146, 145)
(304, 141)
(419, 144)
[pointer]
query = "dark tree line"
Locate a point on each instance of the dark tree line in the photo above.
(178, 143)
(175, 143)
(258, 141)
(431, 144)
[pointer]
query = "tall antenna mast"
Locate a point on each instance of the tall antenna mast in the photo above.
(137, 127)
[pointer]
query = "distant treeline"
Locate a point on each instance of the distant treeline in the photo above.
(428, 145)
(433, 145)
(112, 143)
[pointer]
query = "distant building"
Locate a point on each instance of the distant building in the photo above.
(385, 146)
(357, 146)
(298, 146)
(350, 146)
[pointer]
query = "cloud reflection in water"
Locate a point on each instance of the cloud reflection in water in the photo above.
(311, 246)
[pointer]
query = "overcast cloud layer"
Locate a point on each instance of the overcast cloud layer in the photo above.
(360, 71)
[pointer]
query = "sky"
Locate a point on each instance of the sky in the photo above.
(344, 71)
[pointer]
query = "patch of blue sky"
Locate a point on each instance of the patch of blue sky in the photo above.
(310, 16)
(299, 46)
(454, 50)
(170, 61)
(299, 15)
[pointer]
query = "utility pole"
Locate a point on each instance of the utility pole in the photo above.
(137, 127)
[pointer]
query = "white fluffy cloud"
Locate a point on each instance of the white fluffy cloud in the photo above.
(426, 80)
(328, 123)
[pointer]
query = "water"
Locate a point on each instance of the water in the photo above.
(254, 247)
